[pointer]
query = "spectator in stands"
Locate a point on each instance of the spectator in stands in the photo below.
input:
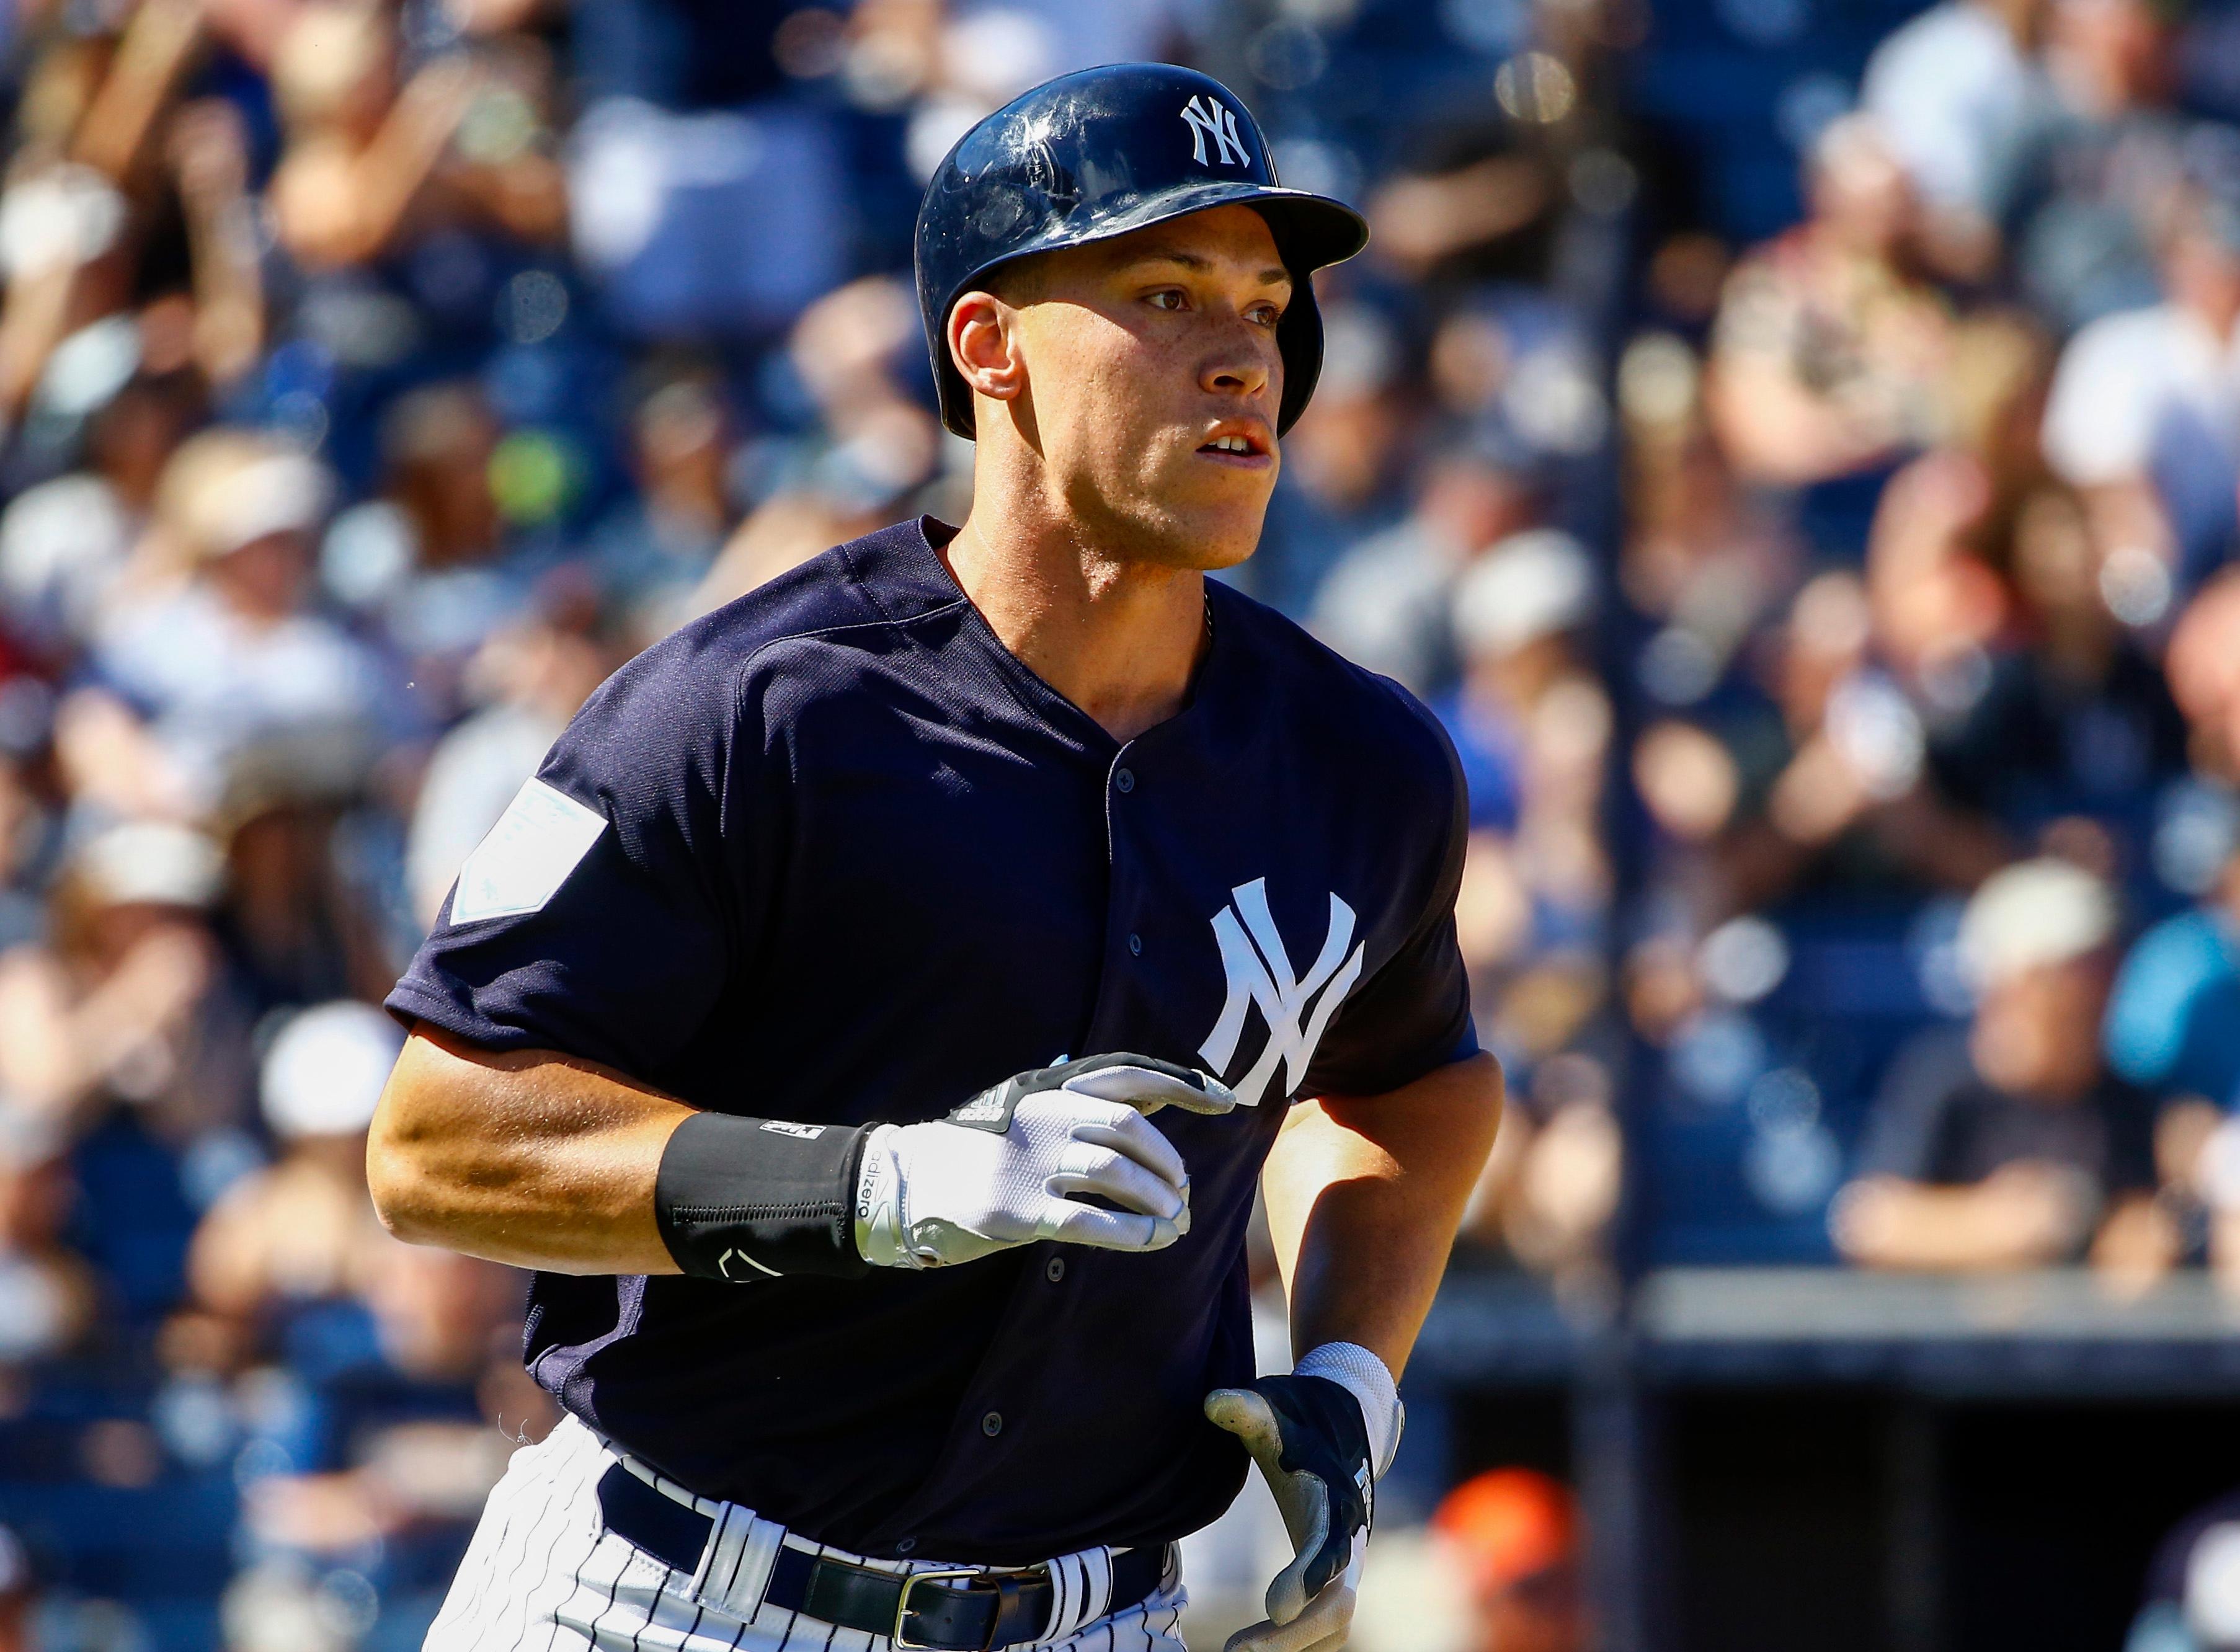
(2110, 735)
(1838, 795)
(1514, 1535)
(1341, 479)
(1519, 611)
(2173, 1025)
(49, 1296)
(2145, 418)
(370, 164)
(125, 1001)
(64, 541)
(1829, 353)
(1532, 726)
(2098, 148)
(18, 1596)
(2192, 1594)
(1950, 89)
(298, 922)
(26, 831)
(432, 564)
(232, 653)
(1551, 1187)
(1385, 603)
(1703, 554)
(2009, 1145)
(535, 673)
(2034, 700)
(874, 454)
(301, 1229)
(653, 551)
(1943, 618)
(77, 208)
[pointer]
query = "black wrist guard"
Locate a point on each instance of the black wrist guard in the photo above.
(748, 1198)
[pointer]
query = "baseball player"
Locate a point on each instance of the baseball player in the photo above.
(873, 1021)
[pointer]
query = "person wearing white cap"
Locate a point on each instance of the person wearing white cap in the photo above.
(1515, 610)
(1387, 604)
(1531, 727)
(2009, 1144)
(303, 1226)
(234, 655)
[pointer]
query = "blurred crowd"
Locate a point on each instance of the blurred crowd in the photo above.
(1836, 629)
(1931, 640)
(1931, 647)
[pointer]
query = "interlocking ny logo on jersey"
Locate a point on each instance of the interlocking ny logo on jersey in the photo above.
(1211, 117)
(1259, 971)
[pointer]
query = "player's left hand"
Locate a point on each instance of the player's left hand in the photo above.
(1311, 1436)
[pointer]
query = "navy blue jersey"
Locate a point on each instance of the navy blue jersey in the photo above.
(831, 854)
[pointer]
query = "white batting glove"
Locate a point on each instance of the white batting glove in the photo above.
(1004, 1168)
(1321, 1437)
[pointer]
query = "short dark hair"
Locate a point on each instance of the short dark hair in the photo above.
(1019, 282)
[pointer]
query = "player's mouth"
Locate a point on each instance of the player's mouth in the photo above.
(1247, 446)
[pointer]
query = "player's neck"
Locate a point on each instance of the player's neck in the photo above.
(1119, 638)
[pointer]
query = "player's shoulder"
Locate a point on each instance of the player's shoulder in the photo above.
(1364, 721)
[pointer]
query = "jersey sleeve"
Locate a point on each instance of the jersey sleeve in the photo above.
(1413, 1014)
(601, 917)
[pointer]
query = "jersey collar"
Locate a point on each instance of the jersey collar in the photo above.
(913, 564)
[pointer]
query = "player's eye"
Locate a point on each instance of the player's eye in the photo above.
(1265, 315)
(1167, 298)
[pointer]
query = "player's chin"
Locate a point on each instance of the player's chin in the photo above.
(1212, 535)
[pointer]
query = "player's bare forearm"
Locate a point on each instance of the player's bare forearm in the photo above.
(1365, 1195)
(528, 1157)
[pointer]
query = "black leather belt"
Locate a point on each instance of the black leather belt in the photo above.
(955, 1611)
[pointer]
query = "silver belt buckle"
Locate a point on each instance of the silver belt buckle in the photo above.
(903, 1601)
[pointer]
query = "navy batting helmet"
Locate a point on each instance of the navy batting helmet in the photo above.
(1094, 154)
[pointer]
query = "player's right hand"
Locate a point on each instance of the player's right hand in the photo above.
(1007, 1168)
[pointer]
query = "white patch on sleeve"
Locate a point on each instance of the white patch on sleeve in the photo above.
(527, 854)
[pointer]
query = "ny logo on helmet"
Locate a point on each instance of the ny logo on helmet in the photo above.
(1211, 117)
(1259, 971)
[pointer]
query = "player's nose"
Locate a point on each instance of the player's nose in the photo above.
(1241, 365)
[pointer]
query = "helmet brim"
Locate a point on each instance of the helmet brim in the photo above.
(1312, 232)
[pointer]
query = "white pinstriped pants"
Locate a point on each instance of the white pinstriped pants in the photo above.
(543, 1574)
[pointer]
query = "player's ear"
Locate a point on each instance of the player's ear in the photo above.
(983, 343)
